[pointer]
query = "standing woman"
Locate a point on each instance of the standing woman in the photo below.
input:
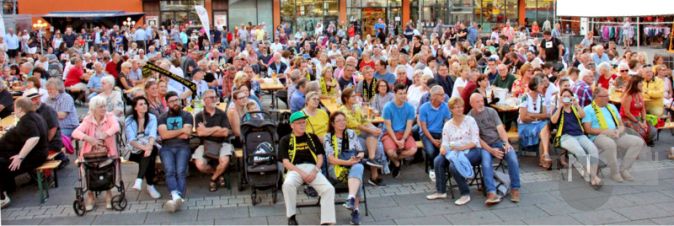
(532, 123)
(141, 132)
(98, 128)
(571, 135)
(345, 155)
(633, 111)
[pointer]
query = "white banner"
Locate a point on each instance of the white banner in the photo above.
(203, 17)
(614, 8)
(2, 26)
(584, 25)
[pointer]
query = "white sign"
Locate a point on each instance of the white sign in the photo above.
(151, 20)
(584, 25)
(219, 21)
(203, 17)
(397, 18)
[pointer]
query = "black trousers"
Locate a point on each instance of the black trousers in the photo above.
(7, 182)
(146, 165)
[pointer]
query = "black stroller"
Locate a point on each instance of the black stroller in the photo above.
(261, 168)
(101, 173)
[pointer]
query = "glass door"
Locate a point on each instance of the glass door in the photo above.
(370, 17)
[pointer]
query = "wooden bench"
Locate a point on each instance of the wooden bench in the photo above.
(513, 136)
(340, 188)
(42, 180)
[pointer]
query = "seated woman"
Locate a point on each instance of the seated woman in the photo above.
(113, 98)
(571, 135)
(532, 124)
(460, 134)
(24, 147)
(383, 96)
(141, 133)
(98, 128)
(316, 116)
(345, 155)
(633, 111)
(368, 134)
(653, 92)
(329, 85)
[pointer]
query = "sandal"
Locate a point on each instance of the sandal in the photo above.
(212, 186)
(545, 162)
(221, 181)
(598, 183)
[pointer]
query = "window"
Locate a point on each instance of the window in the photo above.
(10, 7)
(496, 11)
(179, 12)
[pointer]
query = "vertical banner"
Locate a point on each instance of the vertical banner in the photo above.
(203, 17)
(2, 25)
(584, 25)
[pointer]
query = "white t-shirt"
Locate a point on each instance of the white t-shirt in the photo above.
(414, 94)
(549, 93)
(458, 83)
(531, 105)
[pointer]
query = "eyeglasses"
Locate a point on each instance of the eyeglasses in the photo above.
(210, 97)
(624, 70)
(173, 100)
(241, 97)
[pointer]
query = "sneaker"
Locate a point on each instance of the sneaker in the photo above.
(292, 221)
(355, 217)
(395, 170)
(515, 195)
(436, 195)
(350, 203)
(153, 192)
(376, 182)
(626, 175)
(431, 174)
(463, 200)
(170, 206)
(138, 184)
(372, 163)
(4, 203)
(492, 199)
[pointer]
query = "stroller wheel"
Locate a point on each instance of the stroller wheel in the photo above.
(119, 202)
(78, 207)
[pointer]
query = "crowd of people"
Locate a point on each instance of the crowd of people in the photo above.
(436, 86)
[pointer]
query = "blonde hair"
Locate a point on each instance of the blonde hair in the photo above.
(455, 101)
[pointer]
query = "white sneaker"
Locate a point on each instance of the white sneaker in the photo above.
(436, 195)
(5, 202)
(153, 192)
(431, 174)
(170, 206)
(463, 200)
(138, 184)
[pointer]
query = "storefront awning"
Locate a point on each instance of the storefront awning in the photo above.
(91, 14)
(614, 8)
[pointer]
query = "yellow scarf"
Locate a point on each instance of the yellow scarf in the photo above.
(558, 137)
(293, 150)
(600, 116)
(341, 172)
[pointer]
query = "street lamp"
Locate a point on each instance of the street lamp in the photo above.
(128, 22)
(39, 26)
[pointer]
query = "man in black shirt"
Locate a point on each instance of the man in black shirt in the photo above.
(6, 101)
(50, 117)
(302, 154)
(24, 147)
(347, 79)
(212, 127)
(551, 48)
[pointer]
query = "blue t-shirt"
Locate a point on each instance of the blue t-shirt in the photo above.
(434, 118)
(296, 101)
(571, 126)
(398, 115)
(388, 77)
(591, 117)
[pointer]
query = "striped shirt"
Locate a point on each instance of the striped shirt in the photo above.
(64, 103)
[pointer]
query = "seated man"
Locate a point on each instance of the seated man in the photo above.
(175, 129)
(302, 155)
(602, 122)
(213, 128)
(398, 118)
(24, 147)
(494, 143)
(297, 97)
(54, 142)
(6, 100)
(432, 116)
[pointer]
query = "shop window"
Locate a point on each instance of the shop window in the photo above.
(496, 11)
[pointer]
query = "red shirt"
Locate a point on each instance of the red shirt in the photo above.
(111, 68)
(363, 64)
(604, 82)
(74, 76)
(465, 95)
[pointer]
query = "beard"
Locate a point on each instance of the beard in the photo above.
(175, 110)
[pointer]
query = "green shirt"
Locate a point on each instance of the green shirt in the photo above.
(506, 83)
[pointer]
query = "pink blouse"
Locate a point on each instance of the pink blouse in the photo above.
(105, 129)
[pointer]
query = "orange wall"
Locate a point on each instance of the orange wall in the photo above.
(41, 7)
(406, 13)
(276, 14)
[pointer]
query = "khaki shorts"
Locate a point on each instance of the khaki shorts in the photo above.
(226, 150)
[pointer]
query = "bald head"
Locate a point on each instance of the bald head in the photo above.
(477, 102)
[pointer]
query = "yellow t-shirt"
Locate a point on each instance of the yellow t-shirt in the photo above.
(353, 119)
(259, 34)
(318, 124)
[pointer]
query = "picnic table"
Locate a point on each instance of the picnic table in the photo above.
(6, 123)
(331, 105)
(271, 85)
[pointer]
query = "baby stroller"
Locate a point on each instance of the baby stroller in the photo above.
(261, 167)
(101, 173)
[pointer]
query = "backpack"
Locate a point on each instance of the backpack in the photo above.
(502, 183)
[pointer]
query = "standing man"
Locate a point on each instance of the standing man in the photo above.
(551, 49)
(398, 118)
(139, 36)
(302, 154)
(175, 128)
(12, 44)
(213, 128)
(494, 143)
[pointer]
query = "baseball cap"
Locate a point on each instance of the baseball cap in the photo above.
(297, 116)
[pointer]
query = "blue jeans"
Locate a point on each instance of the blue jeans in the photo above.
(429, 148)
(488, 171)
(175, 160)
(441, 164)
(67, 132)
